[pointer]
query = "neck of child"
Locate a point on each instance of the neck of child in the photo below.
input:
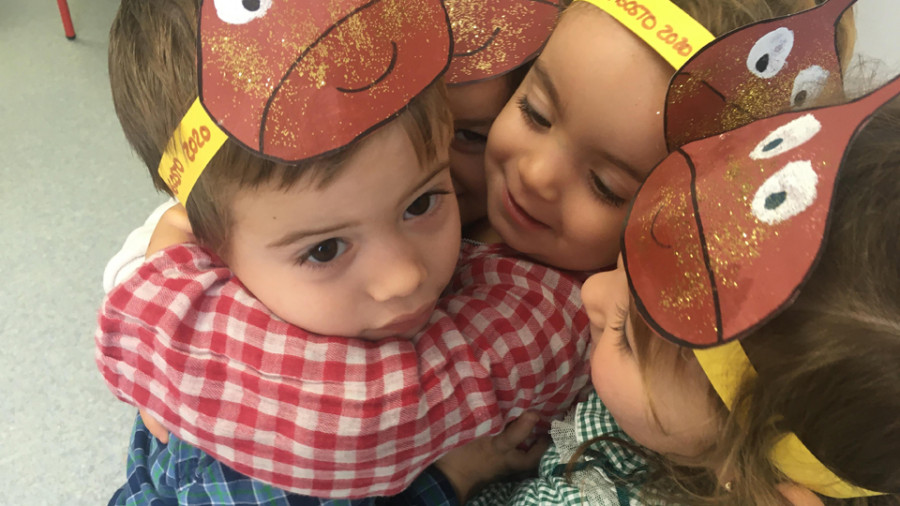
(481, 231)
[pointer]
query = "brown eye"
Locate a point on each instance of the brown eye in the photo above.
(421, 205)
(324, 252)
(468, 136)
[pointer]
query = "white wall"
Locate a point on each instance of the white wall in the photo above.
(878, 33)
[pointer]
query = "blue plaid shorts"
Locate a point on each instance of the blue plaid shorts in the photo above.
(178, 474)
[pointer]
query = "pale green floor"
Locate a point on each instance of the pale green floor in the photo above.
(70, 191)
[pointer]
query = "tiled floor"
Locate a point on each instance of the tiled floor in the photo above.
(69, 192)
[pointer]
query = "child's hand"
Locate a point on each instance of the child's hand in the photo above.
(173, 228)
(155, 428)
(485, 459)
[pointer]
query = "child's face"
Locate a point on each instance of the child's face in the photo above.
(668, 409)
(474, 107)
(366, 256)
(569, 151)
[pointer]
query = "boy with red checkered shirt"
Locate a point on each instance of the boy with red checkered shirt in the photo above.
(312, 233)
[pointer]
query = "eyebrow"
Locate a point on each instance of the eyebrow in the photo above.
(297, 235)
(548, 85)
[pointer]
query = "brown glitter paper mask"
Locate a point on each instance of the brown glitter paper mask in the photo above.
(755, 72)
(291, 80)
(725, 230)
(493, 37)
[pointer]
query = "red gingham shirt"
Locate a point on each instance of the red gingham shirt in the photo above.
(334, 416)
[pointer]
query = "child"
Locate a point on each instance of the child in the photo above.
(367, 414)
(494, 44)
(739, 357)
(584, 129)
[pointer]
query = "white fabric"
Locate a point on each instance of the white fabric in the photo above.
(131, 255)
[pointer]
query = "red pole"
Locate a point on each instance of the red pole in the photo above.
(66, 19)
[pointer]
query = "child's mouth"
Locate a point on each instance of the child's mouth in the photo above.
(519, 214)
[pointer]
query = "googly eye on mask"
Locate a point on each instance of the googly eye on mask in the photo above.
(238, 12)
(755, 72)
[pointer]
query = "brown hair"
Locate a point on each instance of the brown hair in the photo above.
(830, 364)
(153, 76)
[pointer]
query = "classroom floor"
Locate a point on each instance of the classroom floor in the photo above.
(70, 191)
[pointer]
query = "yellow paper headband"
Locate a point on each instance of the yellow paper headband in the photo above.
(666, 28)
(726, 366)
(192, 146)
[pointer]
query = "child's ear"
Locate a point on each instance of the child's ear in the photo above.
(797, 495)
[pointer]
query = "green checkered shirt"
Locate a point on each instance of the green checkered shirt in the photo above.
(609, 477)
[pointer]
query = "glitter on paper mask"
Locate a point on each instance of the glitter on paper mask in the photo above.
(292, 80)
(757, 71)
(493, 37)
(726, 229)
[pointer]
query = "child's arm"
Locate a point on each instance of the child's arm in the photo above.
(337, 417)
(173, 228)
(127, 260)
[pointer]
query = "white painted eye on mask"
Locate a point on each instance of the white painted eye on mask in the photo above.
(786, 193)
(239, 12)
(787, 137)
(808, 85)
(769, 54)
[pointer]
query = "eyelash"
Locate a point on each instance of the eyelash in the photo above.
(623, 339)
(532, 117)
(604, 193)
(434, 205)
(469, 136)
(305, 258)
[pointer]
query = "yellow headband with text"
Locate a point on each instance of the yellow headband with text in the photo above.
(192, 146)
(670, 31)
(676, 36)
(727, 366)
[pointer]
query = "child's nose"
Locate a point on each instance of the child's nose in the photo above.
(594, 296)
(540, 175)
(398, 273)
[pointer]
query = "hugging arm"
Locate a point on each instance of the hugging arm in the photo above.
(330, 416)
